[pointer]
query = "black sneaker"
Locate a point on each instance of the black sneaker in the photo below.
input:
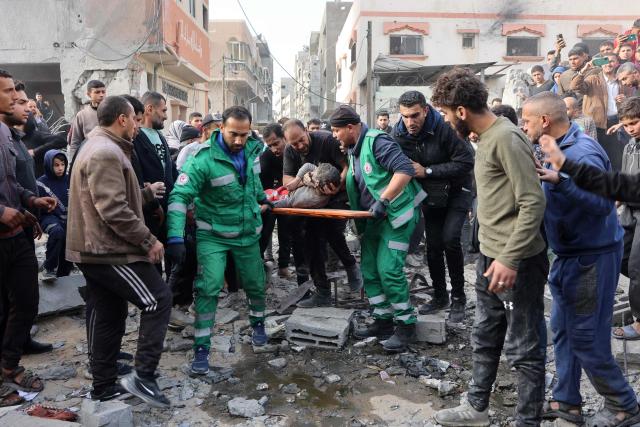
(123, 355)
(145, 389)
(108, 393)
(433, 306)
(315, 300)
(380, 328)
(34, 347)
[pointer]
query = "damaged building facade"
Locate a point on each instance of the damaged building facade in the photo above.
(159, 45)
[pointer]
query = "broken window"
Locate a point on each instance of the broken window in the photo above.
(406, 45)
(468, 41)
(353, 52)
(523, 46)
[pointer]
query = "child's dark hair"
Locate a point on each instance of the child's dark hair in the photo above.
(61, 157)
(630, 108)
(326, 173)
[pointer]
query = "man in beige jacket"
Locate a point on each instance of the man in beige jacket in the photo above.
(107, 238)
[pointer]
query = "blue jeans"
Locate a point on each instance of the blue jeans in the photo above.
(583, 288)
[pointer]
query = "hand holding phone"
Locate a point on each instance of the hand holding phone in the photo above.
(599, 62)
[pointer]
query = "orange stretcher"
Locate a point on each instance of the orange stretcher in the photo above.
(323, 213)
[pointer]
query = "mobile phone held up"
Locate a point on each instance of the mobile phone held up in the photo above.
(599, 62)
(632, 37)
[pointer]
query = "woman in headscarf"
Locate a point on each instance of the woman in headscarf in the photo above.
(174, 134)
(556, 77)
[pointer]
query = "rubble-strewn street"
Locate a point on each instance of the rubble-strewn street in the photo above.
(284, 383)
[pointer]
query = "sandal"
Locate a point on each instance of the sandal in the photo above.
(563, 411)
(9, 397)
(607, 418)
(629, 333)
(27, 382)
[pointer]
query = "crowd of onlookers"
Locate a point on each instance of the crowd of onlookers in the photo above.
(120, 189)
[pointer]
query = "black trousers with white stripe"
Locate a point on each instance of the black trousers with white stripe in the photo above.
(109, 287)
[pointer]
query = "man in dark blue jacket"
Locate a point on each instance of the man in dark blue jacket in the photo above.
(443, 163)
(154, 161)
(583, 231)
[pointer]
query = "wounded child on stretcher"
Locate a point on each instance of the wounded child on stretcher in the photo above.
(306, 187)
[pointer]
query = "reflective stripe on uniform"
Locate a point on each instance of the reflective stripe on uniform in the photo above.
(178, 207)
(203, 225)
(204, 332)
(398, 246)
(256, 168)
(259, 229)
(378, 310)
(404, 317)
(419, 198)
(378, 299)
(256, 313)
(401, 305)
(205, 316)
(223, 180)
(402, 219)
(228, 234)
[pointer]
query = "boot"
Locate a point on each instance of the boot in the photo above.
(317, 299)
(434, 306)
(402, 336)
(355, 277)
(380, 328)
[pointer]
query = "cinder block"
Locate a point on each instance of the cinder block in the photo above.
(431, 328)
(324, 327)
(105, 414)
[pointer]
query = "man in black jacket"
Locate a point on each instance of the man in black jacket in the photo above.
(154, 159)
(443, 163)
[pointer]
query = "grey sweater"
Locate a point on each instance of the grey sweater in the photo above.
(83, 123)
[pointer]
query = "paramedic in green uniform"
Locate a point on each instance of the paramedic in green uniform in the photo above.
(223, 180)
(379, 180)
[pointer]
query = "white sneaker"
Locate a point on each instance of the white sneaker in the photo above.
(464, 415)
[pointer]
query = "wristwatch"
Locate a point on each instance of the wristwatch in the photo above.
(384, 201)
(563, 177)
(428, 171)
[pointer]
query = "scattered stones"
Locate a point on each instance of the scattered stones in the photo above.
(332, 379)
(444, 388)
(186, 393)
(188, 331)
(112, 413)
(62, 372)
(298, 348)
(262, 387)
(226, 315)
(263, 400)
(220, 343)
(247, 408)
(166, 383)
(278, 363)
(217, 375)
(180, 345)
(367, 342)
(291, 389)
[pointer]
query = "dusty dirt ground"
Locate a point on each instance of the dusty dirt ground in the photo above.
(374, 388)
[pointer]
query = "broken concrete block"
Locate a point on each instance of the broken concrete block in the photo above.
(242, 407)
(332, 378)
(19, 418)
(221, 343)
(226, 315)
(278, 363)
(633, 351)
(105, 414)
(621, 314)
(61, 372)
(324, 327)
(61, 296)
(431, 328)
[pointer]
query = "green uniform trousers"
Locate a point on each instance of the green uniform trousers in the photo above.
(384, 250)
(212, 259)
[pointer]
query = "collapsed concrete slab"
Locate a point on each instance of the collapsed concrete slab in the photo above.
(323, 327)
(431, 328)
(61, 296)
(633, 352)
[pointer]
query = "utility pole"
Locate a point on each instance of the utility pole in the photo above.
(224, 90)
(369, 82)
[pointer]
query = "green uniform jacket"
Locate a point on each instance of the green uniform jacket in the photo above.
(224, 207)
(376, 178)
